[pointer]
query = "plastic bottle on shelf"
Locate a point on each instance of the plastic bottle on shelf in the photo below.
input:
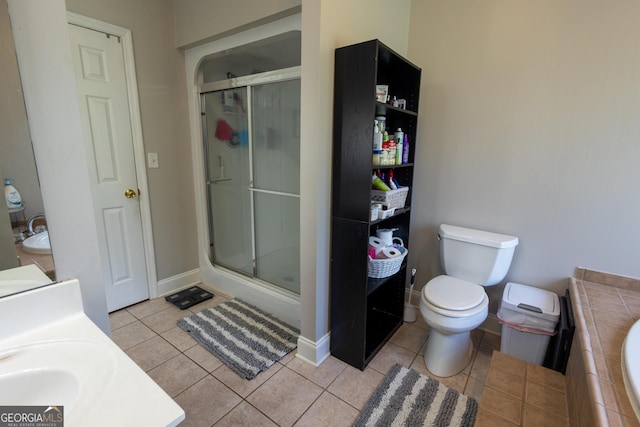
(379, 184)
(392, 181)
(405, 150)
(11, 195)
(399, 136)
(377, 143)
(392, 152)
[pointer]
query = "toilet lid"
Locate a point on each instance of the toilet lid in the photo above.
(453, 294)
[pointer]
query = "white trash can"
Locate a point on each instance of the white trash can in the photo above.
(528, 316)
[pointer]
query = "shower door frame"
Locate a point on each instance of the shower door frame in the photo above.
(248, 82)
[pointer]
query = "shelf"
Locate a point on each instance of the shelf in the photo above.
(373, 284)
(381, 108)
(365, 312)
(404, 165)
(398, 212)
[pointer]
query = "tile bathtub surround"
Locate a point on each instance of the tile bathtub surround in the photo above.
(291, 392)
(605, 307)
(520, 393)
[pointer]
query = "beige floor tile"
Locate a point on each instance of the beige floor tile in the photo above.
(410, 337)
(179, 338)
(546, 398)
(507, 363)
(535, 417)
(288, 357)
(120, 318)
(456, 382)
(328, 410)
(322, 375)
(285, 396)
(217, 299)
(474, 388)
(389, 355)
(502, 405)
(132, 334)
(245, 415)
(480, 366)
(177, 374)
(489, 343)
(149, 307)
(506, 382)
(152, 353)
(165, 319)
(546, 377)
(355, 386)
(206, 402)
(487, 419)
(204, 358)
(240, 385)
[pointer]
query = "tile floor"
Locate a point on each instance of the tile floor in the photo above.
(291, 392)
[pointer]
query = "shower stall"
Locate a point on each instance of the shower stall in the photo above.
(251, 137)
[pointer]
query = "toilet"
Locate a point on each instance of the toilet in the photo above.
(455, 303)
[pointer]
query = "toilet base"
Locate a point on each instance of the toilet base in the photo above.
(447, 354)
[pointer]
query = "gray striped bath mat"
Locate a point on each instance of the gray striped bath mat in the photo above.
(245, 338)
(408, 398)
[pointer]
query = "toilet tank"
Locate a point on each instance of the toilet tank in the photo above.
(477, 256)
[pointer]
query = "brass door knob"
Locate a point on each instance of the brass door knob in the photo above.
(129, 193)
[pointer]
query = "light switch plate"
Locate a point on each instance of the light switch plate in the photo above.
(152, 160)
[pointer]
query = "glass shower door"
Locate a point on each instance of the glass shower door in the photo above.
(252, 150)
(276, 182)
(226, 146)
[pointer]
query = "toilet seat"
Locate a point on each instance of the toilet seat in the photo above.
(454, 297)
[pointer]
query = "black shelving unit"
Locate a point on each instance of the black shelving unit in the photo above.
(365, 312)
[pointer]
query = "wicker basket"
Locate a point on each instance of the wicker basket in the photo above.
(391, 198)
(385, 267)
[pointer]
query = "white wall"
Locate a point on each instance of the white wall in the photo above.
(199, 21)
(44, 58)
(327, 25)
(529, 125)
(164, 117)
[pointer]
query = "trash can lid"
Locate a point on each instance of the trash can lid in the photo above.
(533, 302)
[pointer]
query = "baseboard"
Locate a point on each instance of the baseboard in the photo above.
(313, 352)
(178, 282)
(492, 325)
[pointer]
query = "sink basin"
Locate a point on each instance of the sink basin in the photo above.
(631, 366)
(37, 244)
(36, 386)
(69, 373)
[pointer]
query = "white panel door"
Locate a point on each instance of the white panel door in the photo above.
(100, 78)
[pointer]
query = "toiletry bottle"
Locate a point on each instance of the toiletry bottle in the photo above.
(11, 195)
(392, 151)
(377, 143)
(405, 150)
(379, 184)
(399, 135)
(392, 181)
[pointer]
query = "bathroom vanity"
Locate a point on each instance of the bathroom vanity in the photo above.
(52, 354)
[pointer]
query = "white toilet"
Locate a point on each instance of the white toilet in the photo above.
(456, 303)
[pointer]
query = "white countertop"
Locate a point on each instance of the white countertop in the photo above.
(117, 393)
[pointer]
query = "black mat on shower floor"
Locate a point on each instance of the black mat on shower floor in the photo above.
(189, 297)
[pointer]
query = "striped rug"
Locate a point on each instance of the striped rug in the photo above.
(408, 398)
(245, 338)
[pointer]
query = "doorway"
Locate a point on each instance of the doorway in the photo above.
(105, 78)
(251, 135)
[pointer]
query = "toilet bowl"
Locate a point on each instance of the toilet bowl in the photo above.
(455, 303)
(452, 308)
